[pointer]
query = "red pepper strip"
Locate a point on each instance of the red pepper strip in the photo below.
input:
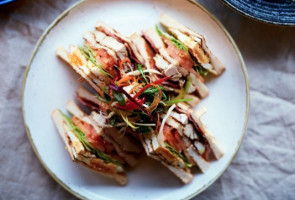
(132, 106)
(150, 85)
(120, 89)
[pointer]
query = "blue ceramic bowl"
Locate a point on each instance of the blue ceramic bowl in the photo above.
(279, 12)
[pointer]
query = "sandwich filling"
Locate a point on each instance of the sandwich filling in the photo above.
(91, 141)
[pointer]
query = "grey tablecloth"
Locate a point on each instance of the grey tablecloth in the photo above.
(265, 165)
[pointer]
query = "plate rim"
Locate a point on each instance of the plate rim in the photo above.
(64, 14)
(255, 18)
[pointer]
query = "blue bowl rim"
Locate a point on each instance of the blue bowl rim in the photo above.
(5, 2)
(257, 18)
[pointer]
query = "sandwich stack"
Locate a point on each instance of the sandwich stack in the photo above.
(145, 89)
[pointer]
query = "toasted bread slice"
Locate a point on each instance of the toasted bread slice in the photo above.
(196, 159)
(216, 149)
(199, 86)
(196, 117)
(183, 175)
(195, 100)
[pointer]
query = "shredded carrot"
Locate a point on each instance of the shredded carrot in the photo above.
(157, 99)
(124, 79)
(123, 61)
(150, 85)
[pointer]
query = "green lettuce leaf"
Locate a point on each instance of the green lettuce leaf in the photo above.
(119, 97)
(201, 70)
(175, 41)
(179, 154)
(177, 101)
(144, 129)
(139, 67)
(89, 55)
(158, 30)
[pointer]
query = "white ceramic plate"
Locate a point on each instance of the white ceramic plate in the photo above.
(50, 83)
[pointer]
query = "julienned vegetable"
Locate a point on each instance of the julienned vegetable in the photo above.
(177, 101)
(138, 104)
(149, 98)
(139, 67)
(132, 99)
(125, 118)
(156, 100)
(151, 84)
